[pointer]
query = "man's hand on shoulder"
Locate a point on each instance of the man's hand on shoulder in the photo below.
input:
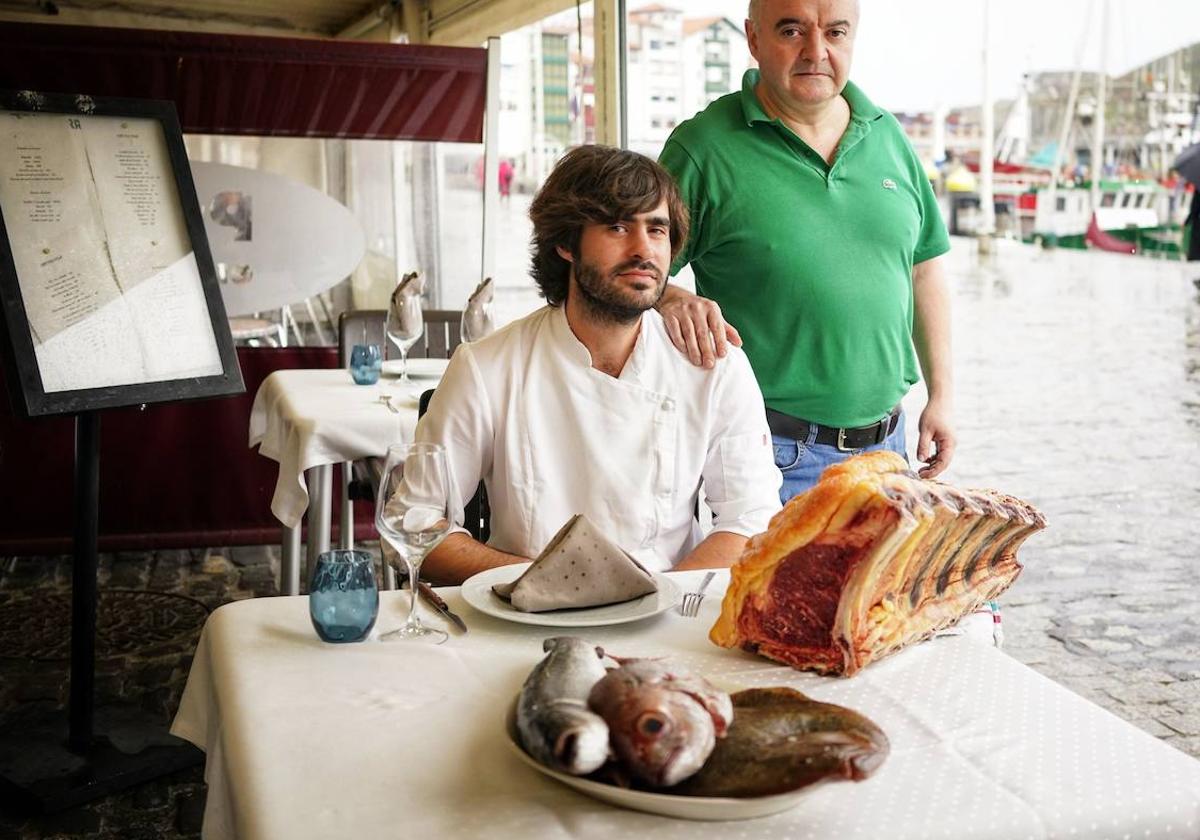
(696, 326)
(935, 446)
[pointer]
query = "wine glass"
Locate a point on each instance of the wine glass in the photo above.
(477, 322)
(404, 325)
(412, 512)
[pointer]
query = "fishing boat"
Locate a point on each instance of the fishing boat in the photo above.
(1136, 216)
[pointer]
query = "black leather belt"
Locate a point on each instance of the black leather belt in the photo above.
(846, 440)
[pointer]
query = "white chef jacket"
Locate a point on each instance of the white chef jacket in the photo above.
(550, 436)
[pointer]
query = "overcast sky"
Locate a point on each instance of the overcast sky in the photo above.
(913, 54)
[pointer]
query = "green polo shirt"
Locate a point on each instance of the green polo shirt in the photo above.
(811, 262)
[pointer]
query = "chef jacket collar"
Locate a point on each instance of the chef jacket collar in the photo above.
(575, 350)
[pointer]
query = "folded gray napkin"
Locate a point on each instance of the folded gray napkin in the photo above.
(477, 316)
(410, 284)
(580, 567)
(482, 293)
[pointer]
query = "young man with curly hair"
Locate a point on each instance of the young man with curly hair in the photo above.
(584, 406)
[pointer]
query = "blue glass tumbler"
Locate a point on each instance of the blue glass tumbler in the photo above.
(343, 599)
(366, 361)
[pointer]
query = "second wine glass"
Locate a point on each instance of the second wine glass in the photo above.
(412, 513)
(404, 325)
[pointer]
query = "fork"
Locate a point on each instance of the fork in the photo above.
(690, 606)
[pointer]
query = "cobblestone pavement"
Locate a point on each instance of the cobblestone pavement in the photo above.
(153, 677)
(1078, 389)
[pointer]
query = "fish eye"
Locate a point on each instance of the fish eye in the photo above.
(651, 724)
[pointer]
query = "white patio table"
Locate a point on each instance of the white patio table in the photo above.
(309, 420)
(388, 739)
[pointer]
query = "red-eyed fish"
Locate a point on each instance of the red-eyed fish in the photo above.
(663, 721)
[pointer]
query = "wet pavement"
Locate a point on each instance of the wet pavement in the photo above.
(1078, 389)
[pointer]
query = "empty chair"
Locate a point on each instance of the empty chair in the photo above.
(361, 326)
(443, 333)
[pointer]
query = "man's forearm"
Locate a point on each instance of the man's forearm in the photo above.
(717, 551)
(459, 556)
(931, 329)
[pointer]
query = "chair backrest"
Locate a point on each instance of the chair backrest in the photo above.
(360, 326)
(443, 333)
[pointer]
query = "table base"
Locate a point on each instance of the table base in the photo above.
(320, 518)
(38, 774)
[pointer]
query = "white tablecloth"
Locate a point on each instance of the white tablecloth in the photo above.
(305, 418)
(384, 739)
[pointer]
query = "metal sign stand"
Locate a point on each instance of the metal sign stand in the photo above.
(123, 745)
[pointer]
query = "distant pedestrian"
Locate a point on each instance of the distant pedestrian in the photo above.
(507, 170)
(1193, 227)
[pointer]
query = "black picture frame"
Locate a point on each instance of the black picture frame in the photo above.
(29, 395)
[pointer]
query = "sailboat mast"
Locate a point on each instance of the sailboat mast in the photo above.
(1098, 121)
(987, 154)
(1064, 132)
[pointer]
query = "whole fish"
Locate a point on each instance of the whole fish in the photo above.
(782, 740)
(553, 720)
(663, 721)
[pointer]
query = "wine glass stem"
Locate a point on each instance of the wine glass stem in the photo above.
(413, 622)
(404, 365)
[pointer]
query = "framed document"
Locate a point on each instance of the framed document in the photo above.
(108, 288)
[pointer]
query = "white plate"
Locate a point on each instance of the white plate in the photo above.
(666, 804)
(477, 591)
(417, 368)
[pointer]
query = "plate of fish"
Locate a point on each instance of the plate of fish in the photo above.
(417, 368)
(651, 736)
(477, 591)
(709, 808)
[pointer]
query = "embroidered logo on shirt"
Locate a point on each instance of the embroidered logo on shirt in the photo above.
(889, 184)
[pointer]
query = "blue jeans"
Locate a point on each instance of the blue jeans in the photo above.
(803, 461)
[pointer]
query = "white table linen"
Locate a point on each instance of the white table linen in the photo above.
(307, 418)
(377, 739)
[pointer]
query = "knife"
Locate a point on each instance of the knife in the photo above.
(434, 600)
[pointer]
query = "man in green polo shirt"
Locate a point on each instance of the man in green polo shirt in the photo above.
(816, 234)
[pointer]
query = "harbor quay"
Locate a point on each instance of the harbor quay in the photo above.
(1077, 389)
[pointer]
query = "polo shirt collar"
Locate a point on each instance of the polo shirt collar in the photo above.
(861, 108)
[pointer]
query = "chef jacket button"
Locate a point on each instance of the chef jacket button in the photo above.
(668, 404)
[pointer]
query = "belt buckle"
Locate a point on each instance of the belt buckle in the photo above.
(841, 442)
(881, 429)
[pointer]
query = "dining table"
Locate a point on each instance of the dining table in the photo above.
(309, 420)
(306, 739)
